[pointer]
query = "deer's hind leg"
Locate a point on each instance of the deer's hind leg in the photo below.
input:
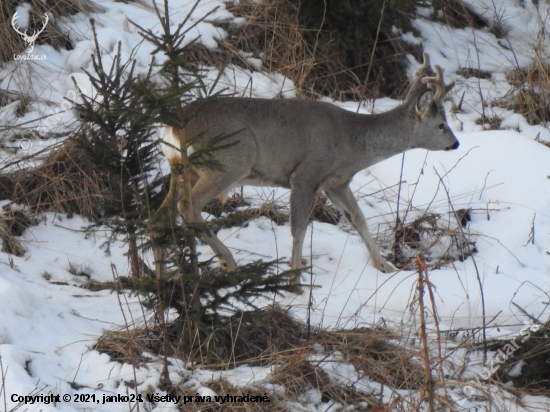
(208, 185)
(205, 189)
(343, 199)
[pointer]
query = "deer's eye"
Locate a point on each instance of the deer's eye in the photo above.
(442, 126)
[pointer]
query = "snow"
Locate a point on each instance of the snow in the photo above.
(49, 323)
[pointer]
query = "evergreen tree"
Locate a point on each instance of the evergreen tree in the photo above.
(118, 135)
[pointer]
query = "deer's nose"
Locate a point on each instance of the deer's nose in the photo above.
(455, 146)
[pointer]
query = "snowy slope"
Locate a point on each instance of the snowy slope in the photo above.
(48, 324)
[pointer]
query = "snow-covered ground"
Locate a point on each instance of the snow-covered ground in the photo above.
(48, 323)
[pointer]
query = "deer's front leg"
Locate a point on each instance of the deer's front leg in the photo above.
(301, 201)
(343, 199)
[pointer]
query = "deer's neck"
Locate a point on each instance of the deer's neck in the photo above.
(382, 135)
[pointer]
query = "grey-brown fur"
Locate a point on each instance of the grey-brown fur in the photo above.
(308, 146)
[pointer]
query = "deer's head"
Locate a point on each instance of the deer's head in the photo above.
(425, 102)
(29, 40)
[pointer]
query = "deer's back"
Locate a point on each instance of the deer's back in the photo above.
(284, 134)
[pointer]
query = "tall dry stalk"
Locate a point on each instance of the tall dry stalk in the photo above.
(422, 272)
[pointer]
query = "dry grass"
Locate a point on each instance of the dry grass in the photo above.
(531, 94)
(235, 212)
(455, 13)
(298, 363)
(490, 122)
(260, 340)
(273, 211)
(217, 208)
(419, 234)
(370, 352)
(375, 354)
(323, 211)
(534, 354)
(65, 182)
(128, 346)
(298, 376)
(468, 72)
(12, 224)
(273, 33)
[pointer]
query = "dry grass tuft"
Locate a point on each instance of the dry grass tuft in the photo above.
(128, 346)
(217, 208)
(370, 352)
(323, 211)
(260, 340)
(373, 352)
(65, 182)
(12, 224)
(468, 72)
(299, 372)
(298, 376)
(236, 213)
(531, 94)
(273, 211)
(533, 354)
(277, 212)
(273, 34)
(457, 14)
(430, 230)
(490, 122)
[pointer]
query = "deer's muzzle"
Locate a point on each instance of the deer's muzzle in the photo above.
(453, 147)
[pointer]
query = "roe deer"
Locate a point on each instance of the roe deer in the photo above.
(305, 146)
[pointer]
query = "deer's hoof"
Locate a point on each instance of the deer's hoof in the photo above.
(229, 266)
(385, 267)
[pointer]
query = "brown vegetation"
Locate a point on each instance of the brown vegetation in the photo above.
(275, 34)
(531, 93)
(65, 182)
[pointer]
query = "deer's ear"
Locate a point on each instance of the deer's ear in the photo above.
(424, 102)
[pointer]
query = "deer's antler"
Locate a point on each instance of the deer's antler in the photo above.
(417, 87)
(438, 83)
(426, 68)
